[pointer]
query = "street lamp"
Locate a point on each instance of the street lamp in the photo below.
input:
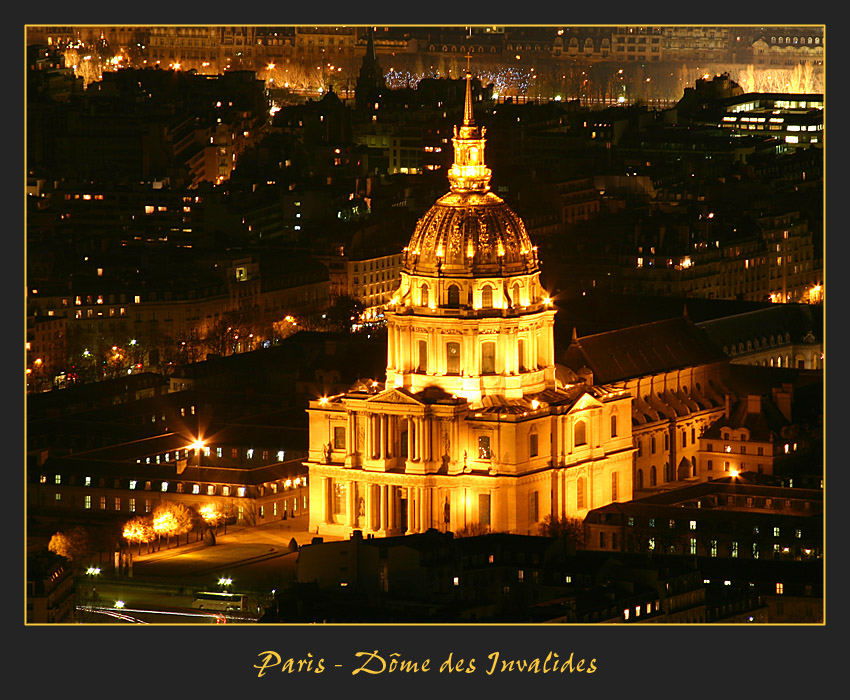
(198, 445)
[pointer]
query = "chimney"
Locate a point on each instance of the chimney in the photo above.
(782, 398)
(753, 403)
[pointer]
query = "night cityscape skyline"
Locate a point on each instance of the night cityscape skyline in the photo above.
(425, 324)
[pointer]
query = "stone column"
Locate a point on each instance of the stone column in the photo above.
(411, 510)
(383, 508)
(382, 453)
(370, 506)
(326, 500)
(351, 505)
(411, 438)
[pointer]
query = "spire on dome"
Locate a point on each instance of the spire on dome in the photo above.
(469, 172)
(468, 115)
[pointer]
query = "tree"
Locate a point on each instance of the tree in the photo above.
(570, 529)
(73, 544)
(139, 530)
(172, 519)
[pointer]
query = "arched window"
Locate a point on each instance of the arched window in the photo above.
(653, 478)
(488, 358)
(487, 297)
(423, 294)
(521, 354)
(580, 433)
(580, 493)
(452, 358)
(454, 296)
(614, 425)
(515, 296)
(640, 478)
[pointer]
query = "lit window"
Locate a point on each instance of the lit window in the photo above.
(165, 486)
(57, 479)
(88, 481)
(132, 484)
(776, 532)
(131, 505)
(88, 502)
(693, 524)
(210, 490)
(241, 491)
(225, 490)
(780, 588)
(483, 447)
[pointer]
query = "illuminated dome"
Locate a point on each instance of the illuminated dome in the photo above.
(472, 233)
(469, 231)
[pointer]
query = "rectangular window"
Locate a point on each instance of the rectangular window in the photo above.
(117, 504)
(602, 539)
(693, 545)
(484, 509)
(532, 445)
(713, 548)
(225, 490)
(131, 505)
(709, 465)
(734, 551)
(423, 357)
(614, 484)
(488, 358)
(452, 358)
(339, 438)
(483, 447)
(103, 502)
(651, 544)
(613, 426)
(88, 502)
(692, 524)
(533, 512)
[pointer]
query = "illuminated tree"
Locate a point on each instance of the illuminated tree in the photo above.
(172, 519)
(72, 544)
(138, 530)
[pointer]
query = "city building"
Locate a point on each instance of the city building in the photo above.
(674, 373)
(471, 427)
(780, 335)
(718, 519)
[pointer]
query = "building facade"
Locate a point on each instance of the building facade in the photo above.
(470, 429)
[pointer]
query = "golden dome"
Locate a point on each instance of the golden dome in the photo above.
(470, 233)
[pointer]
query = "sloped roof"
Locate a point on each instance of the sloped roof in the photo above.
(646, 349)
(773, 323)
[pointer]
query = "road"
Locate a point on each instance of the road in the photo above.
(160, 590)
